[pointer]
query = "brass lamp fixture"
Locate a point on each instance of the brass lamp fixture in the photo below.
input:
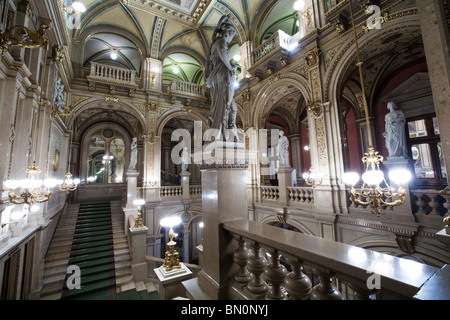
(29, 191)
(138, 223)
(172, 260)
(69, 184)
(311, 178)
(375, 191)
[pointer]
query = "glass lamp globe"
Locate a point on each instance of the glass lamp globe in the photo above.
(170, 221)
(373, 177)
(351, 178)
(400, 176)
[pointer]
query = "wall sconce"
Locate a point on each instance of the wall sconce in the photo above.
(311, 178)
(153, 181)
(171, 260)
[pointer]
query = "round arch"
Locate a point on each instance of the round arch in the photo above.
(264, 95)
(116, 106)
(336, 74)
(303, 229)
(171, 115)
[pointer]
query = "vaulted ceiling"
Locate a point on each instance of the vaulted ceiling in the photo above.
(177, 32)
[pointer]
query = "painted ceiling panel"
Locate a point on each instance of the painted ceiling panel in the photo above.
(145, 20)
(183, 26)
(120, 18)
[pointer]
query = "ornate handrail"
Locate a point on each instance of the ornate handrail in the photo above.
(269, 193)
(300, 195)
(187, 88)
(112, 74)
(279, 40)
(171, 192)
(366, 272)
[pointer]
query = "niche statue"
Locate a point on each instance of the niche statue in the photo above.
(395, 132)
(133, 157)
(220, 77)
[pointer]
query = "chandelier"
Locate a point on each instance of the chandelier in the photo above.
(375, 191)
(30, 191)
(69, 184)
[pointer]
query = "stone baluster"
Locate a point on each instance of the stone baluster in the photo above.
(241, 257)
(256, 265)
(434, 204)
(420, 205)
(297, 284)
(360, 291)
(275, 273)
(325, 289)
(446, 204)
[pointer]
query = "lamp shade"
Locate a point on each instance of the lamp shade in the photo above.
(373, 177)
(351, 178)
(170, 221)
(139, 202)
(400, 176)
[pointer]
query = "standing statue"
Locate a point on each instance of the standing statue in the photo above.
(395, 136)
(283, 150)
(60, 96)
(133, 157)
(184, 160)
(220, 77)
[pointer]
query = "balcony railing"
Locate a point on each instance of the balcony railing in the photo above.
(265, 253)
(331, 4)
(112, 75)
(278, 41)
(171, 192)
(187, 88)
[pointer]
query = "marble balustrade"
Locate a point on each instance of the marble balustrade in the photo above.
(265, 253)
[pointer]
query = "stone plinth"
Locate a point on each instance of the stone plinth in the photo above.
(224, 198)
(284, 181)
(185, 184)
(170, 282)
(138, 247)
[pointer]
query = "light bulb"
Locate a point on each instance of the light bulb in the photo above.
(400, 176)
(299, 5)
(351, 178)
(78, 7)
(373, 177)
(76, 181)
(11, 184)
(170, 221)
(175, 70)
(114, 56)
(139, 202)
(34, 208)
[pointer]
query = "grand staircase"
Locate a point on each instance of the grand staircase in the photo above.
(90, 236)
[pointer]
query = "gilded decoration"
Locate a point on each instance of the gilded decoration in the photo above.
(321, 142)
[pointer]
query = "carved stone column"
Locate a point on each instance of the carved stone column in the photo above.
(436, 41)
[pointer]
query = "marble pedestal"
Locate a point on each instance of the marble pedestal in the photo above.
(224, 198)
(170, 282)
(405, 210)
(138, 247)
(284, 181)
(132, 194)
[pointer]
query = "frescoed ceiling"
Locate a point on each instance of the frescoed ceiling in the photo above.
(177, 32)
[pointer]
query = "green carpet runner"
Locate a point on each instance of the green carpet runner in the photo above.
(93, 252)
